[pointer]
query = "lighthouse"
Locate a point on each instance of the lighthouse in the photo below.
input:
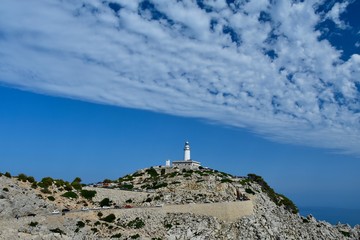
(187, 163)
(187, 151)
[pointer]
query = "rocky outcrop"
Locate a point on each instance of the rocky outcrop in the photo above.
(182, 199)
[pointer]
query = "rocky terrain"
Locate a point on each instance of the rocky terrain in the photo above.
(152, 204)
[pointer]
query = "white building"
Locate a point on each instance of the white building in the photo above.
(187, 163)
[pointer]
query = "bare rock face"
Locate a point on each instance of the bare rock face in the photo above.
(142, 210)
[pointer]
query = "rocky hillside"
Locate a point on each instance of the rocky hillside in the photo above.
(150, 203)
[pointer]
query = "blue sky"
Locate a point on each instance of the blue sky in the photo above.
(98, 89)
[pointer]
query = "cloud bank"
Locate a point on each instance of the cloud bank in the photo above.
(260, 65)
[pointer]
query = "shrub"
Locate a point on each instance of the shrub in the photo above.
(226, 180)
(105, 202)
(5, 189)
(80, 224)
(136, 223)
(34, 185)
(68, 186)
(136, 236)
(97, 223)
(47, 181)
(128, 201)
(76, 185)
(33, 224)
(118, 235)
(22, 177)
(30, 179)
(100, 214)
(57, 230)
(163, 171)
(70, 195)
(168, 225)
(127, 186)
(148, 200)
(51, 198)
(94, 230)
(109, 218)
(159, 185)
(248, 190)
(46, 191)
(7, 174)
(152, 172)
(88, 194)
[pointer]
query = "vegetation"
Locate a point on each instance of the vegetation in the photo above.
(33, 224)
(5, 189)
(30, 179)
(109, 218)
(22, 177)
(152, 172)
(118, 235)
(136, 223)
(226, 180)
(136, 236)
(94, 230)
(80, 224)
(105, 202)
(46, 191)
(51, 198)
(100, 214)
(127, 186)
(129, 200)
(70, 195)
(46, 182)
(57, 230)
(88, 194)
(34, 185)
(249, 191)
(7, 174)
(278, 199)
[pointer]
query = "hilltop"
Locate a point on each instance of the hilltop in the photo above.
(156, 203)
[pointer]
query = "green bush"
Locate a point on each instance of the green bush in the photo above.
(105, 202)
(248, 190)
(109, 218)
(226, 180)
(136, 236)
(76, 185)
(157, 185)
(152, 172)
(22, 177)
(163, 171)
(136, 223)
(47, 181)
(88, 194)
(57, 230)
(46, 191)
(30, 179)
(80, 224)
(70, 195)
(34, 185)
(7, 174)
(33, 224)
(51, 198)
(100, 214)
(68, 186)
(118, 235)
(127, 186)
(5, 189)
(94, 230)
(129, 201)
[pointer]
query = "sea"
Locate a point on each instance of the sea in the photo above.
(333, 215)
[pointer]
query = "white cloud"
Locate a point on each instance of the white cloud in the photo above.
(335, 12)
(226, 64)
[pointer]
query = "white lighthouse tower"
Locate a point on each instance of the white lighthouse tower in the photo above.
(187, 151)
(187, 163)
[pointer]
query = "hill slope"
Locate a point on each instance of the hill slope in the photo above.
(157, 203)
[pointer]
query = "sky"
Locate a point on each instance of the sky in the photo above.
(98, 89)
